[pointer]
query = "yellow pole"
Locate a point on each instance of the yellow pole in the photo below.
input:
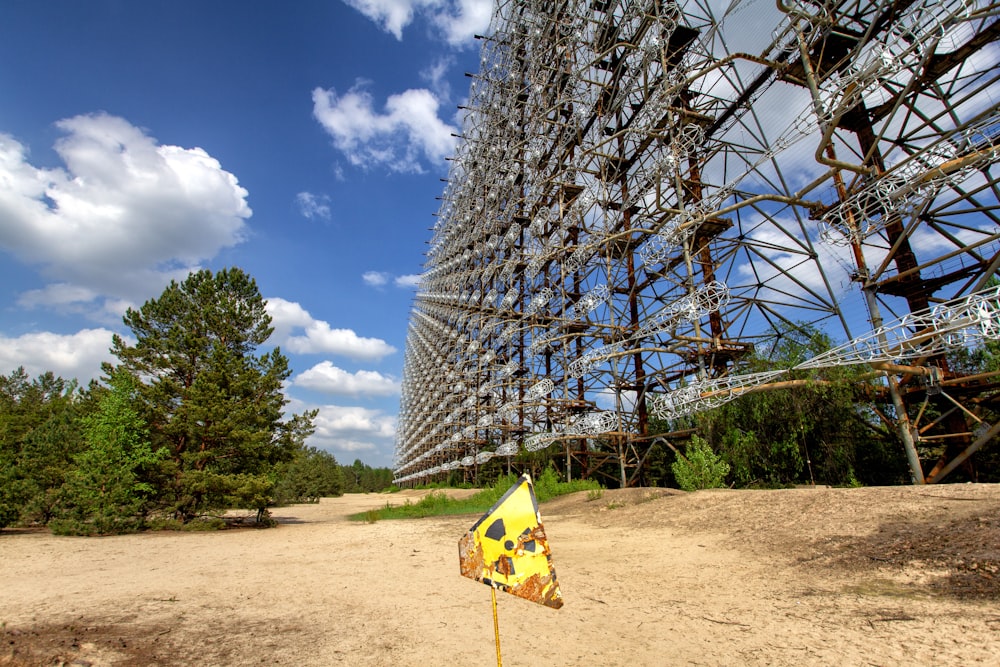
(496, 624)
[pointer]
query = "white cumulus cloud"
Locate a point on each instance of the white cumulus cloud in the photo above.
(317, 336)
(351, 429)
(461, 20)
(329, 379)
(69, 356)
(123, 217)
(391, 15)
(402, 137)
(458, 20)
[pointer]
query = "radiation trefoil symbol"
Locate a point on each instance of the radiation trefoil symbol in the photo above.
(507, 548)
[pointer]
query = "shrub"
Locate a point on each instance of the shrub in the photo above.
(701, 468)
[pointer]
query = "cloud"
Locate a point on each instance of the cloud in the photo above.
(435, 76)
(353, 429)
(70, 356)
(327, 378)
(408, 281)
(383, 278)
(607, 399)
(402, 137)
(376, 278)
(458, 20)
(319, 337)
(57, 294)
(390, 15)
(286, 316)
(780, 267)
(313, 206)
(122, 218)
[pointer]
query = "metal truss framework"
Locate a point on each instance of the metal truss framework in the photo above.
(649, 191)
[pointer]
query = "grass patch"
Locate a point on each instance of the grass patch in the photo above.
(437, 503)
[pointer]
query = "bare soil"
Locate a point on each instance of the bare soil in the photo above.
(814, 576)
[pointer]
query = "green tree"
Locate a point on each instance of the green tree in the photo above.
(311, 475)
(209, 400)
(360, 477)
(660, 457)
(106, 492)
(811, 430)
(978, 360)
(38, 439)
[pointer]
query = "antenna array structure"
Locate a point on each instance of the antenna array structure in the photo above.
(648, 191)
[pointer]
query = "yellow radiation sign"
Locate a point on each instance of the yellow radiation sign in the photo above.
(507, 548)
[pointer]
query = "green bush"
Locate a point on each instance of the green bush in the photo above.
(701, 468)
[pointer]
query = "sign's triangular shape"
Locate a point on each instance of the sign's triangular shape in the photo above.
(507, 548)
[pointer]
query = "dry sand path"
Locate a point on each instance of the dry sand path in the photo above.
(879, 576)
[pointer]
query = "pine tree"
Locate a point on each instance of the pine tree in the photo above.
(209, 400)
(38, 439)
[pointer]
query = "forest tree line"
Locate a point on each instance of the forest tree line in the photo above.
(187, 423)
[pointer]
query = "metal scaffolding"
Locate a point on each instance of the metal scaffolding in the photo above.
(648, 191)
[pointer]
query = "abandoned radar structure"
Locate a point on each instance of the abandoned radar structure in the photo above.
(649, 192)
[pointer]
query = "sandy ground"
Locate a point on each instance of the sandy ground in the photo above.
(877, 576)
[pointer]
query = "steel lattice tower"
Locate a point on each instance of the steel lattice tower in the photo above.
(647, 191)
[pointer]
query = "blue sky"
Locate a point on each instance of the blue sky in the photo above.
(303, 142)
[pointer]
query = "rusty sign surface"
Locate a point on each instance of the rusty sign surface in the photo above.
(507, 548)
